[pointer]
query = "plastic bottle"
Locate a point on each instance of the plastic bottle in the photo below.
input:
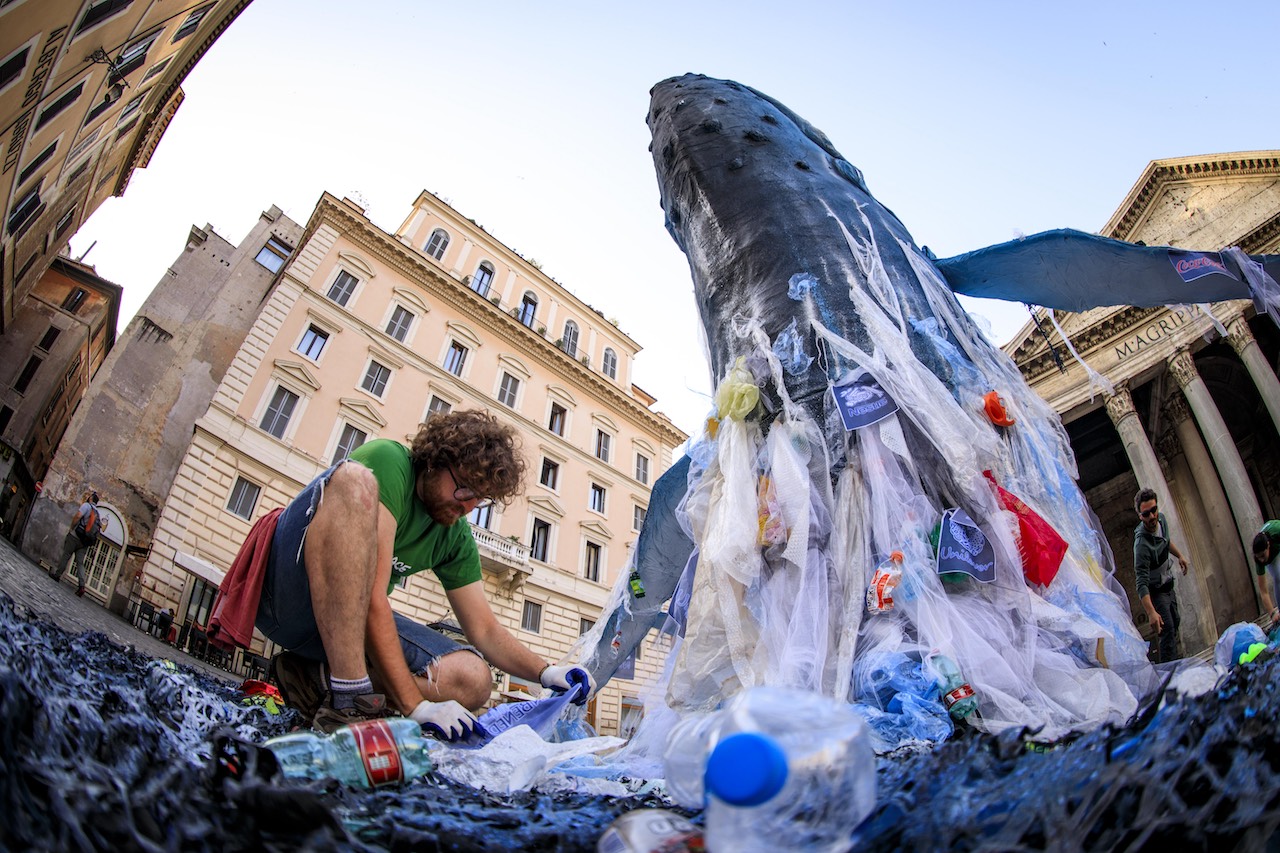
(637, 585)
(886, 578)
(776, 769)
(650, 831)
(957, 695)
(365, 755)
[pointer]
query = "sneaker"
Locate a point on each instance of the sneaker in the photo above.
(80, 591)
(368, 706)
(303, 683)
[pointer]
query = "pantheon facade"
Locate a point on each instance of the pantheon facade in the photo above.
(1191, 403)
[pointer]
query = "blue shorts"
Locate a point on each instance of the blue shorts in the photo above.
(285, 614)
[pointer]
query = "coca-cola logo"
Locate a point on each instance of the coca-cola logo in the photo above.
(1188, 264)
(1192, 265)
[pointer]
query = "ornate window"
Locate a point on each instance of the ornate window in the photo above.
(569, 343)
(482, 279)
(437, 244)
(528, 308)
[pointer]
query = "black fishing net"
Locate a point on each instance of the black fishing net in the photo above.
(102, 748)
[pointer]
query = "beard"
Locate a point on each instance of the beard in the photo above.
(445, 511)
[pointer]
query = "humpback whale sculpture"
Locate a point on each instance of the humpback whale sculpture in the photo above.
(765, 536)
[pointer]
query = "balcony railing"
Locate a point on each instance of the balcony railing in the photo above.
(506, 558)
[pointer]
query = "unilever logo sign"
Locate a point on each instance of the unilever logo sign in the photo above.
(1193, 265)
(963, 547)
(862, 402)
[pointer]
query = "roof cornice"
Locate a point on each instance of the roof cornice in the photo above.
(414, 266)
(139, 148)
(1159, 173)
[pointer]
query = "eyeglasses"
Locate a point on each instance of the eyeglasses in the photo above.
(1149, 513)
(463, 493)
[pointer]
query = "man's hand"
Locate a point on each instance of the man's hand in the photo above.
(1182, 561)
(447, 720)
(1157, 621)
(563, 677)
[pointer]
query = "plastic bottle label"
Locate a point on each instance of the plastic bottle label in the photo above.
(880, 593)
(964, 691)
(377, 747)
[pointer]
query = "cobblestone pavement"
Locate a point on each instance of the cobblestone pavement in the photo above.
(31, 587)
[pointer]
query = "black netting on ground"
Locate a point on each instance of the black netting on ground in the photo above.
(104, 749)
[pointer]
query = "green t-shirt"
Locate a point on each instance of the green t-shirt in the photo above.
(1272, 529)
(421, 542)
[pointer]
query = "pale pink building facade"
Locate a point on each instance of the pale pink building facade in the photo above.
(363, 335)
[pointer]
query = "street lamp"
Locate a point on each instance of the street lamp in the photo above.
(116, 82)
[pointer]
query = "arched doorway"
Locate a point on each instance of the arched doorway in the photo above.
(105, 556)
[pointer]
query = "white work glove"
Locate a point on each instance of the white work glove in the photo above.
(562, 677)
(446, 720)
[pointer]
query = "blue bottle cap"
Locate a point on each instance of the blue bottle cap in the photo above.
(746, 769)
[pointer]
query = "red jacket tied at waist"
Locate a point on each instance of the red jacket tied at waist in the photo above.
(236, 606)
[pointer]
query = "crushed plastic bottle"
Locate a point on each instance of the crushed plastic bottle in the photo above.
(958, 697)
(651, 831)
(364, 755)
(885, 580)
(775, 769)
(637, 585)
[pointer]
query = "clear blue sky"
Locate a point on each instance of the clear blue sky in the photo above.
(973, 122)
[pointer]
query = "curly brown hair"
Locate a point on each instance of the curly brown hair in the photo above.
(474, 442)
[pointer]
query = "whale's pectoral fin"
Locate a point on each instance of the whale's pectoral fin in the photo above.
(1074, 271)
(662, 551)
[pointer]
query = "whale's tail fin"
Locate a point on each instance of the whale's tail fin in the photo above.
(1074, 271)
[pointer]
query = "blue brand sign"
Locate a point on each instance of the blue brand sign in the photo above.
(963, 547)
(1193, 265)
(862, 402)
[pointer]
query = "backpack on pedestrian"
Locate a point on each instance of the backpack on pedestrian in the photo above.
(90, 526)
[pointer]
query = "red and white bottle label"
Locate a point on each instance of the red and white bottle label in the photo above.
(964, 691)
(378, 751)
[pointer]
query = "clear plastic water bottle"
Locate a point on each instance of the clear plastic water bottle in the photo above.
(885, 580)
(650, 831)
(776, 769)
(364, 755)
(957, 695)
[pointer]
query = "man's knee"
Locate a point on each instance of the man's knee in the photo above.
(468, 678)
(351, 488)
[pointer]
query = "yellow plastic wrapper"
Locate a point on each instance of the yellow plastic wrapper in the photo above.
(737, 394)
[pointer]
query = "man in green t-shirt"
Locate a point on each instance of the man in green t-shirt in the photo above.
(1266, 561)
(350, 536)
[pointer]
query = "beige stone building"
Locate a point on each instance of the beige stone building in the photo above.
(62, 331)
(1196, 409)
(87, 89)
(134, 425)
(364, 334)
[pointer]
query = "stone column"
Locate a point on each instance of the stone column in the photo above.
(1264, 378)
(1146, 468)
(1198, 484)
(1226, 458)
(1226, 571)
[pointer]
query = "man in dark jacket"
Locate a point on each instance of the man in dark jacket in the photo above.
(1153, 556)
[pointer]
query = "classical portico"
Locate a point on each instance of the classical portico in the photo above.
(1195, 412)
